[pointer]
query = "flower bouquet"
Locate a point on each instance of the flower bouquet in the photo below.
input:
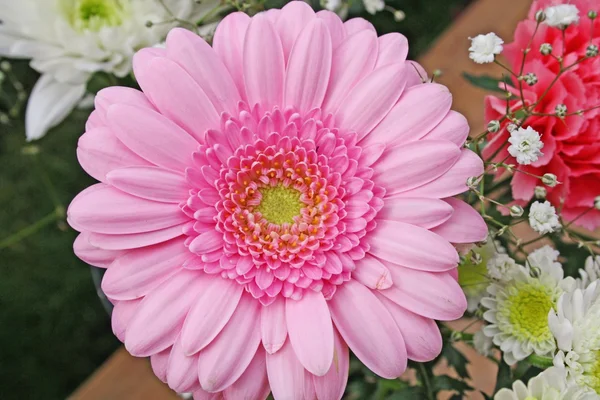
(287, 206)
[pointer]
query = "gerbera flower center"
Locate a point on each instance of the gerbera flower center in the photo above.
(527, 308)
(280, 204)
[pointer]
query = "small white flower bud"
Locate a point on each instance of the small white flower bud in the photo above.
(2, 76)
(476, 258)
(560, 110)
(399, 15)
(512, 127)
(516, 211)
(540, 16)
(472, 182)
(530, 78)
(4, 120)
(546, 49)
(591, 50)
(549, 180)
(597, 203)
(540, 192)
(592, 14)
(5, 66)
(493, 126)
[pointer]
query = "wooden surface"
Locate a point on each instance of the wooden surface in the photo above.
(123, 377)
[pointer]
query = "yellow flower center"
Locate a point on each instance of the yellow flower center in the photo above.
(527, 308)
(592, 372)
(92, 15)
(280, 204)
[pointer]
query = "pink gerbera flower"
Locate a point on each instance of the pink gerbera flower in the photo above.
(270, 202)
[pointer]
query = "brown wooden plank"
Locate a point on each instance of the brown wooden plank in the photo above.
(123, 377)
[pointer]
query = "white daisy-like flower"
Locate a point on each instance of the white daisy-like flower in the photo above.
(473, 277)
(590, 272)
(485, 47)
(69, 40)
(550, 384)
(501, 267)
(543, 218)
(562, 15)
(482, 343)
(518, 309)
(373, 6)
(525, 145)
(575, 323)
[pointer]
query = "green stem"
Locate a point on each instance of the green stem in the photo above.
(31, 229)
(539, 361)
(426, 383)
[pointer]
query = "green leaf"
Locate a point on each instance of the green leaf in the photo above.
(485, 82)
(409, 393)
(504, 378)
(444, 382)
(99, 81)
(457, 360)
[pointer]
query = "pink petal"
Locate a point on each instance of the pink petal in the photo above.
(152, 183)
(464, 226)
(372, 273)
(204, 395)
(122, 313)
(182, 370)
(209, 314)
(432, 295)
(94, 121)
(207, 242)
(333, 384)
(264, 64)
(177, 96)
(226, 358)
(205, 67)
(99, 152)
(452, 182)
(101, 208)
(138, 272)
(158, 321)
(335, 26)
(419, 109)
(393, 49)
(414, 164)
(228, 43)
(454, 127)
(311, 331)
(152, 136)
(273, 325)
(358, 24)
(294, 17)
(119, 95)
(352, 61)
(370, 100)
(308, 68)
(286, 374)
(135, 240)
(159, 363)
(253, 384)
(421, 335)
(369, 329)
(412, 246)
(425, 213)
(91, 254)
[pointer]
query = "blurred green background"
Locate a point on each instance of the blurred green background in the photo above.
(54, 331)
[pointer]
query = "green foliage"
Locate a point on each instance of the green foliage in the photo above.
(486, 82)
(504, 378)
(456, 360)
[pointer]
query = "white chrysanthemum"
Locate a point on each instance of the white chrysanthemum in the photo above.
(482, 343)
(518, 309)
(473, 277)
(68, 40)
(525, 145)
(590, 272)
(485, 47)
(373, 6)
(550, 384)
(543, 218)
(576, 326)
(562, 15)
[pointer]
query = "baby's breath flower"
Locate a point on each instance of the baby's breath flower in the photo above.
(549, 180)
(543, 218)
(546, 49)
(560, 110)
(562, 15)
(540, 192)
(591, 50)
(516, 210)
(525, 145)
(484, 48)
(373, 6)
(530, 78)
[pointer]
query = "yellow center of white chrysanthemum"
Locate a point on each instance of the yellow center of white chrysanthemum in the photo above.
(93, 15)
(280, 204)
(526, 309)
(591, 371)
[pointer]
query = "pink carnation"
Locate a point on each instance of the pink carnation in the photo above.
(270, 202)
(572, 145)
